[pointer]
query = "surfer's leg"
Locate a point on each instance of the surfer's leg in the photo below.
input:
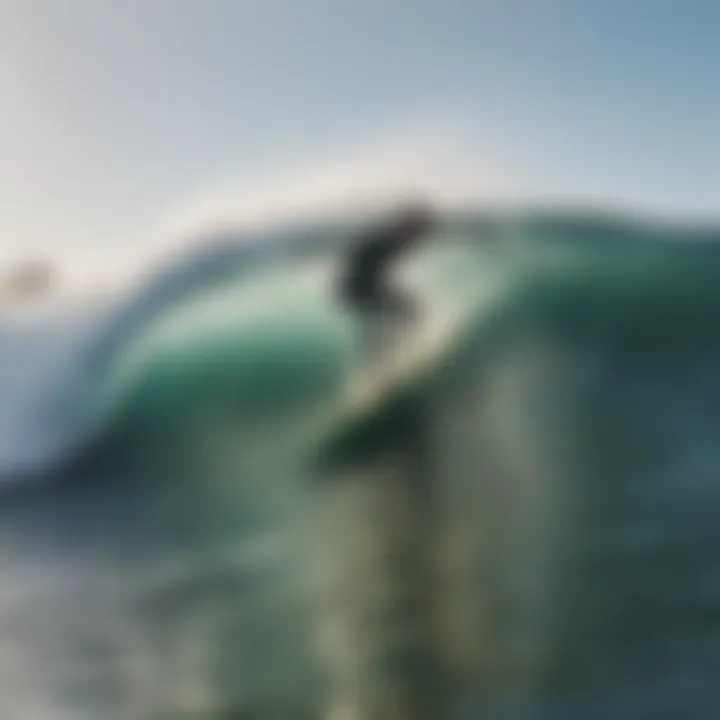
(369, 337)
(384, 315)
(391, 320)
(368, 309)
(399, 320)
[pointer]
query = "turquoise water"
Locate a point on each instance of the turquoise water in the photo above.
(198, 562)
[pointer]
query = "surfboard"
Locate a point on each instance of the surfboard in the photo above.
(385, 393)
(410, 351)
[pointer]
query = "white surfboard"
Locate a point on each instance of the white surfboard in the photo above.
(411, 352)
(407, 350)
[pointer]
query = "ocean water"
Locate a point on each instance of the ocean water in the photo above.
(528, 530)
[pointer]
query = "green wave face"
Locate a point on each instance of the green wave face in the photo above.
(200, 562)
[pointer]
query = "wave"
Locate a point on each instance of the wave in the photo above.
(571, 432)
(60, 368)
(570, 439)
(55, 411)
(82, 356)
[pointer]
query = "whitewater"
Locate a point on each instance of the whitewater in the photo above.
(528, 530)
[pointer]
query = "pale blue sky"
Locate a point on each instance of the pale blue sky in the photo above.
(115, 113)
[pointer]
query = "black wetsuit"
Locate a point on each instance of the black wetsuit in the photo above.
(365, 286)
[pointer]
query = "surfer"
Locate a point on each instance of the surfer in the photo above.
(364, 287)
